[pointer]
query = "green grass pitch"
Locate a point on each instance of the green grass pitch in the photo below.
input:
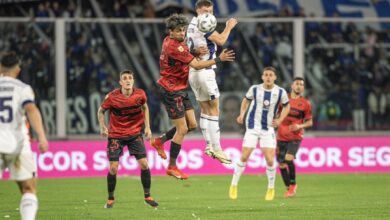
(319, 196)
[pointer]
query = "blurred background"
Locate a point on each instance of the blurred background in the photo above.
(73, 50)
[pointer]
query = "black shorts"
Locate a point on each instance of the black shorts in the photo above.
(286, 147)
(176, 103)
(135, 145)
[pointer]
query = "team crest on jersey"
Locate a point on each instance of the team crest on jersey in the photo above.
(266, 104)
(181, 48)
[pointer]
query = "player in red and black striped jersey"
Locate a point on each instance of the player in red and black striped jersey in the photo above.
(175, 60)
(290, 134)
(129, 113)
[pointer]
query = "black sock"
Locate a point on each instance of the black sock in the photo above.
(285, 176)
(168, 135)
(145, 179)
(111, 183)
(174, 152)
(291, 170)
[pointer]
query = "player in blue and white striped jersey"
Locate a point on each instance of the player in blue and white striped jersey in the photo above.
(263, 101)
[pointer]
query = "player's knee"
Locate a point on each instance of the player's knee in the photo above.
(182, 130)
(113, 170)
(289, 157)
(28, 188)
(270, 162)
(282, 165)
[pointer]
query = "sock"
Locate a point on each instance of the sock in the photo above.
(291, 170)
(238, 170)
(285, 176)
(145, 180)
(111, 183)
(214, 132)
(28, 206)
(174, 153)
(203, 124)
(271, 171)
(168, 135)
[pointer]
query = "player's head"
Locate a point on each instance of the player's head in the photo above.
(126, 79)
(10, 64)
(177, 26)
(204, 6)
(269, 76)
(298, 85)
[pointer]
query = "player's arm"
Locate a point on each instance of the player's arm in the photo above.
(286, 109)
(221, 38)
(35, 119)
(244, 107)
(226, 55)
(148, 132)
(102, 124)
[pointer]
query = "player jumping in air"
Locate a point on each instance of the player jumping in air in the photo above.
(175, 60)
(203, 82)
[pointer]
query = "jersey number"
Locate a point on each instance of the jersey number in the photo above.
(5, 109)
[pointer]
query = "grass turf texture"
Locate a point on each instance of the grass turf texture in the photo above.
(325, 196)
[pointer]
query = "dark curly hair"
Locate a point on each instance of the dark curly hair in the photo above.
(176, 20)
(9, 60)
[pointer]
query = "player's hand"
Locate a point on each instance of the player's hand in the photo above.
(275, 123)
(43, 145)
(294, 127)
(227, 55)
(231, 23)
(202, 50)
(240, 119)
(148, 133)
(104, 131)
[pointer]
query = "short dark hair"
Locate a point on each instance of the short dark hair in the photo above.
(176, 20)
(271, 68)
(203, 3)
(127, 71)
(9, 60)
(298, 78)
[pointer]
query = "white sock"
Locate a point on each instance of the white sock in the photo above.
(214, 132)
(28, 206)
(238, 170)
(271, 171)
(204, 127)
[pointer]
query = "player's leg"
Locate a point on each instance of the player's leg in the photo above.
(114, 151)
(268, 146)
(29, 201)
(292, 149)
(23, 170)
(146, 181)
(204, 126)
(249, 144)
(194, 81)
(158, 142)
(281, 151)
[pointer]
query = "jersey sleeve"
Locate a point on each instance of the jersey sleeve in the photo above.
(285, 99)
(181, 53)
(144, 98)
(27, 96)
(308, 114)
(249, 94)
(106, 104)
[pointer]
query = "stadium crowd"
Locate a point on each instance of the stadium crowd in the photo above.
(349, 61)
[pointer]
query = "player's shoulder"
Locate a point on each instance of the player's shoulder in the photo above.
(14, 82)
(113, 93)
(139, 91)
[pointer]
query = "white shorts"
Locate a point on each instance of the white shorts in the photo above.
(265, 138)
(203, 84)
(21, 166)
